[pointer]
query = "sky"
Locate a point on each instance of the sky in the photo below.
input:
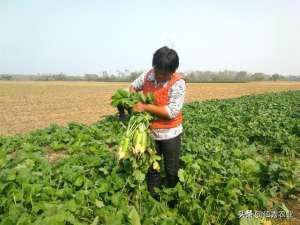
(89, 36)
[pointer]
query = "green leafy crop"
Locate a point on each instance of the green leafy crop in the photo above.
(236, 155)
(128, 99)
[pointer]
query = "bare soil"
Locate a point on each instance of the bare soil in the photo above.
(29, 105)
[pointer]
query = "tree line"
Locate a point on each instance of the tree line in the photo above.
(126, 76)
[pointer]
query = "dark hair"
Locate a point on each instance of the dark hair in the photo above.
(166, 60)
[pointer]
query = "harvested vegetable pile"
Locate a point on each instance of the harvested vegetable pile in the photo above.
(236, 155)
(136, 143)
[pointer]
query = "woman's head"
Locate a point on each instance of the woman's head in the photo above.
(165, 62)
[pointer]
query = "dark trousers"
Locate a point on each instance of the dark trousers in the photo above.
(121, 110)
(122, 116)
(170, 149)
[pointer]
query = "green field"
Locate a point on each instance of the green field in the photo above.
(237, 155)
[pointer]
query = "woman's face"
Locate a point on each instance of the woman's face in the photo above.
(162, 76)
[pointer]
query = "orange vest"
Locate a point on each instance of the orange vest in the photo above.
(161, 98)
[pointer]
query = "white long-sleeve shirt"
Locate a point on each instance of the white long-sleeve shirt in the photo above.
(176, 100)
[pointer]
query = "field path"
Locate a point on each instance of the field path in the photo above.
(28, 105)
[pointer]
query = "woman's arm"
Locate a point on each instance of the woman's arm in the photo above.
(138, 83)
(154, 109)
(176, 98)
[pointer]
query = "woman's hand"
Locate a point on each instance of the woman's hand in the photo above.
(139, 107)
(154, 109)
(132, 89)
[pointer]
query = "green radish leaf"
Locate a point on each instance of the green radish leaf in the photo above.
(95, 221)
(181, 175)
(138, 175)
(249, 221)
(134, 217)
(79, 181)
(99, 203)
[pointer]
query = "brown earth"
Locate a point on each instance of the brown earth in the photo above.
(28, 105)
(293, 205)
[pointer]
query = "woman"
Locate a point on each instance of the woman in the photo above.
(168, 89)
